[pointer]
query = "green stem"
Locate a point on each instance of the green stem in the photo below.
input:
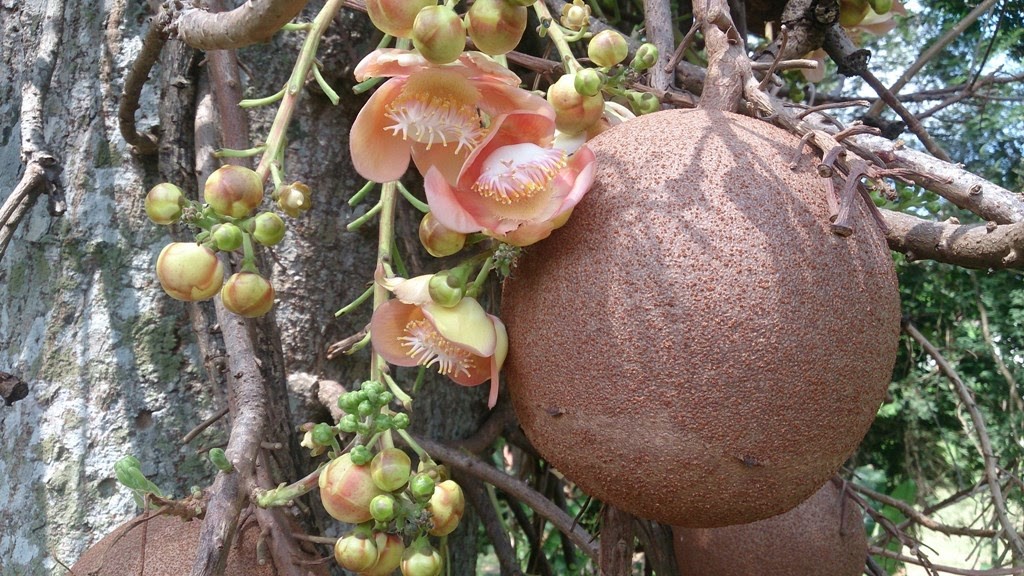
(370, 214)
(557, 37)
(249, 255)
(358, 346)
(424, 457)
(231, 153)
(477, 286)
(358, 196)
(286, 493)
(292, 91)
(395, 389)
(254, 102)
(331, 94)
(385, 236)
(355, 303)
(416, 202)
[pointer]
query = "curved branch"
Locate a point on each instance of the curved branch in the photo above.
(984, 443)
(983, 246)
(469, 464)
(152, 44)
(876, 551)
(252, 22)
(912, 513)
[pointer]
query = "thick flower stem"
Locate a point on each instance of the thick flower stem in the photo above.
(388, 197)
(555, 32)
(285, 493)
(305, 61)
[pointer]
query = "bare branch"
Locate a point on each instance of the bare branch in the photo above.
(476, 495)
(469, 464)
(252, 22)
(933, 50)
(983, 246)
(912, 513)
(980, 430)
(876, 551)
(728, 65)
(152, 44)
(659, 26)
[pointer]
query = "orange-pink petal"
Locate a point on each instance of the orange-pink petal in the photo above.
(377, 153)
(387, 328)
(446, 206)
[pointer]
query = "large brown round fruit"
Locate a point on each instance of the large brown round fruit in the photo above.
(823, 536)
(695, 346)
(168, 546)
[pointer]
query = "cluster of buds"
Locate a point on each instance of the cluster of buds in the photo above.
(228, 221)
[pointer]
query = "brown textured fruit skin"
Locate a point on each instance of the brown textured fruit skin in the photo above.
(695, 346)
(823, 536)
(170, 545)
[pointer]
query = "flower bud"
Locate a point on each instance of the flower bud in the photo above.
(588, 82)
(438, 34)
(233, 191)
(247, 294)
(389, 555)
(422, 486)
(421, 559)
(314, 448)
(323, 434)
(852, 12)
(442, 292)
(607, 48)
(390, 469)
(189, 272)
(294, 199)
(164, 203)
(438, 240)
(574, 112)
(346, 490)
(267, 228)
(361, 455)
(576, 15)
(356, 552)
(395, 17)
(496, 26)
(227, 237)
(881, 6)
(446, 506)
(220, 459)
(643, 102)
(646, 57)
(382, 507)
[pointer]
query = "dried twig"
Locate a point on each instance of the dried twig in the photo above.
(922, 519)
(981, 432)
(204, 425)
(152, 44)
(876, 551)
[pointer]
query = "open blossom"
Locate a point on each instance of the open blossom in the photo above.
(515, 186)
(434, 114)
(467, 344)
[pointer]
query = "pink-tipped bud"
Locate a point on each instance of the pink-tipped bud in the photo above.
(438, 240)
(496, 26)
(446, 506)
(574, 112)
(164, 203)
(588, 82)
(421, 559)
(438, 34)
(346, 490)
(389, 555)
(646, 57)
(395, 17)
(390, 469)
(189, 272)
(247, 294)
(608, 48)
(233, 191)
(356, 552)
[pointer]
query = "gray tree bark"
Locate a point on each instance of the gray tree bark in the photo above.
(112, 364)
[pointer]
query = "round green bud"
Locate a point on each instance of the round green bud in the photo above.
(360, 455)
(220, 460)
(356, 552)
(395, 17)
(227, 237)
(189, 272)
(233, 191)
(267, 228)
(348, 423)
(385, 398)
(495, 26)
(164, 203)
(438, 34)
(247, 294)
(438, 240)
(422, 486)
(400, 421)
(371, 388)
(383, 507)
(390, 469)
(365, 408)
(323, 434)
(588, 82)
(421, 559)
(608, 48)
(348, 402)
(646, 57)
(382, 422)
(442, 292)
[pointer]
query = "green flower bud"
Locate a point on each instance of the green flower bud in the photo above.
(588, 82)
(421, 559)
(233, 191)
(247, 294)
(227, 237)
(381, 422)
(438, 34)
(189, 272)
(383, 507)
(495, 26)
(164, 203)
(348, 402)
(574, 112)
(366, 408)
(294, 199)
(371, 388)
(646, 57)
(385, 398)
(422, 486)
(220, 460)
(390, 469)
(438, 240)
(348, 423)
(395, 17)
(607, 48)
(881, 6)
(267, 228)
(447, 505)
(390, 549)
(400, 421)
(346, 490)
(323, 434)
(442, 292)
(361, 455)
(643, 102)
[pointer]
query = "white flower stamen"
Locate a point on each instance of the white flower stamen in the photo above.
(518, 172)
(428, 347)
(431, 119)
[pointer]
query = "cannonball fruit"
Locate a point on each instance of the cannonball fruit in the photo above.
(823, 536)
(698, 328)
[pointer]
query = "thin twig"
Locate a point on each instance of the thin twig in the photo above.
(469, 464)
(922, 519)
(877, 551)
(476, 495)
(204, 425)
(152, 44)
(980, 431)
(997, 356)
(913, 124)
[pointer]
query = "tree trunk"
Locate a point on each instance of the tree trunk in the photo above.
(114, 366)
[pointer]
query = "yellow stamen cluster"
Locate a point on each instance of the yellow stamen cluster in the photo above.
(428, 347)
(429, 119)
(518, 172)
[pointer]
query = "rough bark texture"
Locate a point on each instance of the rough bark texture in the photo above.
(112, 365)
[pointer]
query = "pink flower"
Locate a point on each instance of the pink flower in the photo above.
(435, 114)
(514, 186)
(467, 344)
